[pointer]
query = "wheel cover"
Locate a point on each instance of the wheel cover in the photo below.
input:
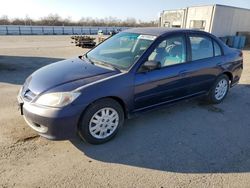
(104, 123)
(221, 89)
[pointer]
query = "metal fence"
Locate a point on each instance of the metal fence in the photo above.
(54, 30)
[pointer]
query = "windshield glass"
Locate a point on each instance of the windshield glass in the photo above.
(121, 50)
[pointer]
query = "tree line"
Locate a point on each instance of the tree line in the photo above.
(56, 20)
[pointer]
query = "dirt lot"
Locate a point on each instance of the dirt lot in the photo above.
(187, 145)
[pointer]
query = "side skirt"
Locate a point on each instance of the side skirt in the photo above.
(164, 104)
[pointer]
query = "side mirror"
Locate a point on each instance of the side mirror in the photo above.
(151, 65)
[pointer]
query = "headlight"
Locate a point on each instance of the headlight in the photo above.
(59, 99)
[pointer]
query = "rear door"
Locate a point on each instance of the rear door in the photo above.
(205, 60)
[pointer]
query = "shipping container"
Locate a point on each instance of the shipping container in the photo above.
(220, 20)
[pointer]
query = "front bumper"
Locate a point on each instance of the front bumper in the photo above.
(52, 123)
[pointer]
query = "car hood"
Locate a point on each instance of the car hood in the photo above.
(64, 72)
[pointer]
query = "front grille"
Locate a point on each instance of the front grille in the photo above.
(28, 95)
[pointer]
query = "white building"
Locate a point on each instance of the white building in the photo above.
(219, 20)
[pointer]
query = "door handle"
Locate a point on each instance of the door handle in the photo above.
(183, 73)
(219, 64)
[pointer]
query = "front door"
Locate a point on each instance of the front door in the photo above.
(170, 82)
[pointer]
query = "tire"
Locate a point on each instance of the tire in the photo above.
(222, 85)
(101, 121)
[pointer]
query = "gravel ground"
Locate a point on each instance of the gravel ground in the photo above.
(187, 145)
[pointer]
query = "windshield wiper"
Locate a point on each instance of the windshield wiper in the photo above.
(89, 60)
(102, 63)
(107, 65)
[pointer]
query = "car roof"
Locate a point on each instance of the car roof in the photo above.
(158, 31)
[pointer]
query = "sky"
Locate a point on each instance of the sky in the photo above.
(145, 10)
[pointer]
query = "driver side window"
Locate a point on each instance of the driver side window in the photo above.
(170, 51)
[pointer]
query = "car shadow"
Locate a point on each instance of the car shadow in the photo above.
(15, 69)
(189, 137)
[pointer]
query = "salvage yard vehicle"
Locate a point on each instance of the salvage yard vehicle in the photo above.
(133, 71)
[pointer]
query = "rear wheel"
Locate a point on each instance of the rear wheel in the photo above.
(219, 91)
(101, 121)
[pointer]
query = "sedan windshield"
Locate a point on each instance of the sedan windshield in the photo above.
(121, 50)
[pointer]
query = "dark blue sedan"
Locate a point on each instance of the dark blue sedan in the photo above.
(131, 72)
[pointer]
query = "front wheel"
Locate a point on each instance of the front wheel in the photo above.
(101, 121)
(219, 91)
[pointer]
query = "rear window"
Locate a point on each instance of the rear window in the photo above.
(202, 47)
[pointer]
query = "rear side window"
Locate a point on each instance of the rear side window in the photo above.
(217, 49)
(201, 47)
